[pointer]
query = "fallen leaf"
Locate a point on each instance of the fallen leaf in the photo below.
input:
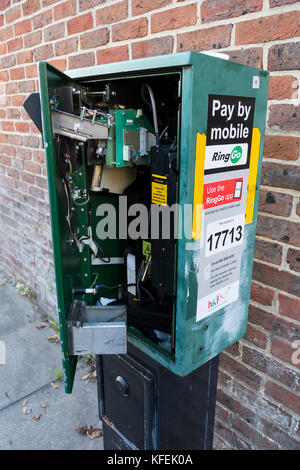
(26, 410)
(54, 385)
(41, 325)
(53, 339)
(36, 417)
(44, 405)
(85, 377)
(93, 432)
(24, 402)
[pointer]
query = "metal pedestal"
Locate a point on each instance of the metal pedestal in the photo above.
(145, 406)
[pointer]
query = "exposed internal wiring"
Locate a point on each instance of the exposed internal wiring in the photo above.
(153, 105)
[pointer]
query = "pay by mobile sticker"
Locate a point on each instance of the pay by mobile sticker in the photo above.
(224, 234)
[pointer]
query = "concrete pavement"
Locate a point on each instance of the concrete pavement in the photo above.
(31, 361)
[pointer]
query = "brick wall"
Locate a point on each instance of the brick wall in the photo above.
(258, 398)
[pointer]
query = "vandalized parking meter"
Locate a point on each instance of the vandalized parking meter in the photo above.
(153, 169)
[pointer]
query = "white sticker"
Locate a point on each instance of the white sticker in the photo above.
(224, 234)
(217, 300)
(255, 81)
(225, 156)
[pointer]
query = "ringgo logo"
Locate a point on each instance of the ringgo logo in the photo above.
(236, 154)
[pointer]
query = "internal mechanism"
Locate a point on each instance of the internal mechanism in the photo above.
(117, 159)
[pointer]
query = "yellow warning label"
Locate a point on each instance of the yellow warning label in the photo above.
(159, 190)
(146, 249)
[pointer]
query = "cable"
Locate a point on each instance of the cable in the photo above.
(153, 105)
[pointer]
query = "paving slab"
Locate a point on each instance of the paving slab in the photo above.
(25, 378)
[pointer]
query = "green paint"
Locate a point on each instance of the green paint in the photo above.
(201, 75)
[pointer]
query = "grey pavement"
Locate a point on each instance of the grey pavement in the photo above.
(25, 378)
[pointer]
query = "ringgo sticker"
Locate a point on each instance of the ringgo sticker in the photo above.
(226, 165)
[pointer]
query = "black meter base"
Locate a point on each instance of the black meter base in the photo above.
(145, 406)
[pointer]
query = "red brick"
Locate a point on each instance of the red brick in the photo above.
(4, 4)
(289, 307)
(27, 177)
(152, 47)
(205, 39)
(112, 14)
(293, 260)
(275, 203)
(270, 252)
(30, 141)
(252, 56)
(277, 278)
(6, 33)
(22, 127)
(33, 167)
(234, 349)
(4, 76)
(240, 371)
(18, 100)
(65, 9)
(258, 440)
(11, 88)
(32, 39)
(130, 30)
(279, 229)
(24, 57)
(88, 4)
(174, 18)
(41, 20)
(261, 294)
(22, 27)
(271, 367)
(14, 45)
(283, 87)
(285, 116)
(287, 398)
(66, 46)
(81, 60)
(283, 439)
(43, 53)
(3, 50)
(112, 54)
(255, 336)
(279, 3)
(283, 351)
(216, 10)
(268, 28)
(8, 61)
(30, 7)
(94, 38)
(60, 64)
(281, 147)
(236, 407)
(80, 23)
(13, 14)
(27, 86)
(139, 7)
(56, 31)
(281, 176)
(1, 20)
(284, 56)
(31, 71)
(7, 126)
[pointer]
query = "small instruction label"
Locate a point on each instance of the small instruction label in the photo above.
(159, 190)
